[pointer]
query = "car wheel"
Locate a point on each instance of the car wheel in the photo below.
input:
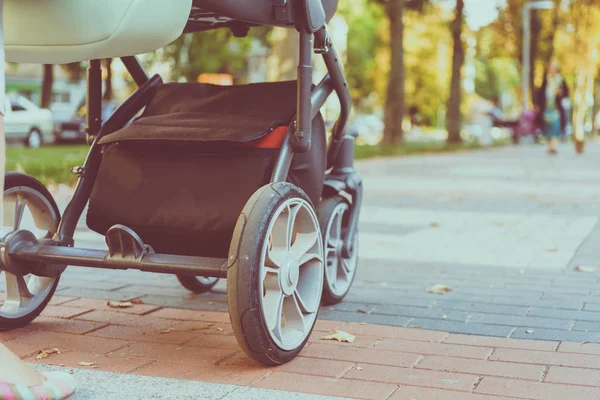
(34, 139)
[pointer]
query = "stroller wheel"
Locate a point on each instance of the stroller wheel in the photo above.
(27, 205)
(339, 270)
(275, 274)
(197, 284)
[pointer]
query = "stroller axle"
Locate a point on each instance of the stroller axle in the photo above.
(22, 254)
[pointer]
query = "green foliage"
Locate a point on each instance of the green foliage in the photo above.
(364, 19)
(215, 51)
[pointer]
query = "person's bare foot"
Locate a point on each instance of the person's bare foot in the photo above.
(18, 380)
(14, 371)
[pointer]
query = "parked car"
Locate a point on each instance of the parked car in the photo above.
(26, 123)
(73, 129)
(369, 128)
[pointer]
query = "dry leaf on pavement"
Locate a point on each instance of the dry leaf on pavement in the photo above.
(137, 301)
(529, 331)
(439, 289)
(434, 225)
(46, 352)
(168, 330)
(120, 304)
(201, 328)
(86, 364)
(552, 250)
(579, 268)
(359, 368)
(340, 336)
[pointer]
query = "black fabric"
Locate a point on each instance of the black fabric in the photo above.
(182, 193)
(204, 112)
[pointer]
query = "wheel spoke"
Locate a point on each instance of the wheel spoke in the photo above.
(304, 306)
(19, 211)
(294, 317)
(274, 256)
(291, 224)
(17, 292)
(303, 243)
(309, 257)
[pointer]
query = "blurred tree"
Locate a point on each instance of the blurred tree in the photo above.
(75, 71)
(108, 87)
(395, 94)
(453, 121)
(47, 83)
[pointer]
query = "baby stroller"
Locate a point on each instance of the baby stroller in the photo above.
(210, 182)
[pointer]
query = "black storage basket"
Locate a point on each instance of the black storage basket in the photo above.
(180, 175)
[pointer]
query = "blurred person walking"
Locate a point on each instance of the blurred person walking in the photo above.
(551, 102)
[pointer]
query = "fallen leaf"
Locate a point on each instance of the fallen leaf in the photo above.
(529, 331)
(120, 304)
(220, 329)
(359, 368)
(200, 328)
(368, 281)
(46, 352)
(178, 348)
(552, 250)
(434, 225)
(361, 311)
(579, 268)
(137, 301)
(364, 323)
(415, 326)
(168, 330)
(444, 316)
(86, 364)
(340, 336)
(211, 303)
(584, 342)
(439, 289)
(71, 372)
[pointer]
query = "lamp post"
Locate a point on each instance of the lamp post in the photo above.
(532, 5)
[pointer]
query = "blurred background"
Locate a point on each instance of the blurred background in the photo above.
(425, 76)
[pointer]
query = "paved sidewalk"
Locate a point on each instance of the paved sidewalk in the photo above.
(382, 363)
(504, 228)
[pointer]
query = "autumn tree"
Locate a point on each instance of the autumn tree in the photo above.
(453, 122)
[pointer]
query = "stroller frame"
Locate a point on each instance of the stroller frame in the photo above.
(22, 253)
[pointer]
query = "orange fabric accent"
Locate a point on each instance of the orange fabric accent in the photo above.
(273, 139)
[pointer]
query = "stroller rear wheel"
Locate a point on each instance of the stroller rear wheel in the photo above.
(27, 205)
(339, 270)
(197, 284)
(275, 276)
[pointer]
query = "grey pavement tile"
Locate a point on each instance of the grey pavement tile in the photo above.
(480, 307)
(586, 326)
(564, 314)
(393, 320)
(387, 297)
(96, 293)
(347, 306)
(92, 284)
(396, 230)
(550, 334)
(187, 303)
(591, 306)
(461, 327)
(420, 312)
(513, 320)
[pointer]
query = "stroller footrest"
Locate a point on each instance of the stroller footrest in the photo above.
(124, 244)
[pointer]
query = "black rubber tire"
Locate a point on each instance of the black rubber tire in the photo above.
(324, 212)
(11, 180)
(243, 283)
(34, 131)
(193, 284)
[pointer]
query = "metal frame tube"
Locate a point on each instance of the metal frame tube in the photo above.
(162, 263)
(136, 70)
(302, 136)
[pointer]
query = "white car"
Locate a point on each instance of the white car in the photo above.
(26, 123)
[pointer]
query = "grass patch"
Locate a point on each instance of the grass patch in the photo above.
(49, 164)
(52, 164)
(368, 151)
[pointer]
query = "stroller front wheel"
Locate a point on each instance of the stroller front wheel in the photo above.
(275, 274)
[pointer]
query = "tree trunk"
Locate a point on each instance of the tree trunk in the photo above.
(47, 82)
(394, 106)
(108, 89)
(453, 121)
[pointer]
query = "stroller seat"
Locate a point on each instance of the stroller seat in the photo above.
(180, 174)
